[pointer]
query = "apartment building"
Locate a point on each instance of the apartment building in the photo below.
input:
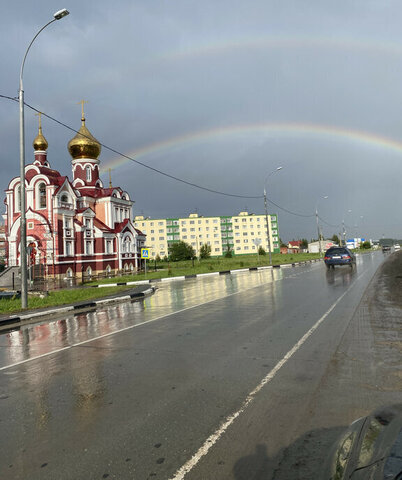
(243, 233)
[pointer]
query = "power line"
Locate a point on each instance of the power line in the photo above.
(173, 177)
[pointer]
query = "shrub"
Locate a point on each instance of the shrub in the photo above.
(205, 251)
(261, 251)
(181, 251)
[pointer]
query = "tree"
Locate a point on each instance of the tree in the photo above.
(335, 239)
(181, 251)
(365, 245)
(228, 253)
(261, 251)
(304, 243)
(205, 251)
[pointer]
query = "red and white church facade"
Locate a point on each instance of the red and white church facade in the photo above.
(77, 227)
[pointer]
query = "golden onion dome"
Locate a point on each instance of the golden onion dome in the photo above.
(84, 144)
(40, 142)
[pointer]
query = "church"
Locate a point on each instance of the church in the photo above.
(75, 227)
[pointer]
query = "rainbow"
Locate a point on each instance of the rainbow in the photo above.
(266, 130)
(219, 47)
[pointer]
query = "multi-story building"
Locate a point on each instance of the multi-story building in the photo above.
(242, 234)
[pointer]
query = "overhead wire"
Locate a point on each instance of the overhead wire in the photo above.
(173, 177)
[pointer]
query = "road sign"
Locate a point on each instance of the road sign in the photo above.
(144, 252)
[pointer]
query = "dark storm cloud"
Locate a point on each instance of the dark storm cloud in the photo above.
(159, 70)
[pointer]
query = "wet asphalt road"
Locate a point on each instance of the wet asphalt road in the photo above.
(134, 391)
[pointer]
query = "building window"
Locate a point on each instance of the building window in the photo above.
(69, 248)
(88, 248)
(127, 245)
(42, 195)
(30, 225)
(108, 246)
(89, 176)
(69, 273)
(18, 199)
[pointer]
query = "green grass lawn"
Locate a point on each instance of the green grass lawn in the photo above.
(59, 297)
(177, 269)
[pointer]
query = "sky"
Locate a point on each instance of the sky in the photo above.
(220, 94)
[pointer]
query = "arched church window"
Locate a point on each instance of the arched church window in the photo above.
(18, 198)
(127, 245)
(88, 170)
(42, 195)
(64, 198)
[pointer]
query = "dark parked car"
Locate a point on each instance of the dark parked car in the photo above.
(339, 256)
(371, 449)
(386, 248)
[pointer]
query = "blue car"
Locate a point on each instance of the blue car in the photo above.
(339, 256)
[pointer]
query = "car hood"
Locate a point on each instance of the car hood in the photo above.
(371, 448)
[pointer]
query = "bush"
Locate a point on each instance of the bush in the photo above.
(228, 253)
(181, 251)
(261, 251)
(205, 251)
(365, 245)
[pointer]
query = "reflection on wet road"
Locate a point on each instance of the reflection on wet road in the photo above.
(36, 340)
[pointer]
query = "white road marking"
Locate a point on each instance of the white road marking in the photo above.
(136, 325)
(212, 439)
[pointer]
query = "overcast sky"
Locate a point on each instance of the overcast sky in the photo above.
(221, 93)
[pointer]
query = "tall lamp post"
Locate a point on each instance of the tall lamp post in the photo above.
(344, 229)
(266, 212)
(23, 225)
(318, 227)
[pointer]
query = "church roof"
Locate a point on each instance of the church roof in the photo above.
(96, 192)
(99, 224)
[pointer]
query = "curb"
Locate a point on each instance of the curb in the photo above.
(196, 275)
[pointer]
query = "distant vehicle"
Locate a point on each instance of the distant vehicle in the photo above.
(397, 246)
(386, 248)
(339, 256)
(370, 448)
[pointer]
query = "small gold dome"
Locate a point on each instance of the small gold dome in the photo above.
(40, 142)
(84, 144)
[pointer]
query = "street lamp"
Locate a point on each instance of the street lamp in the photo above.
(266, 211)
(344, 230)
(318, 228)
(23, 226)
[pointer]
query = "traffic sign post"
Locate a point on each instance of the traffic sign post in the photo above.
(145, 255)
